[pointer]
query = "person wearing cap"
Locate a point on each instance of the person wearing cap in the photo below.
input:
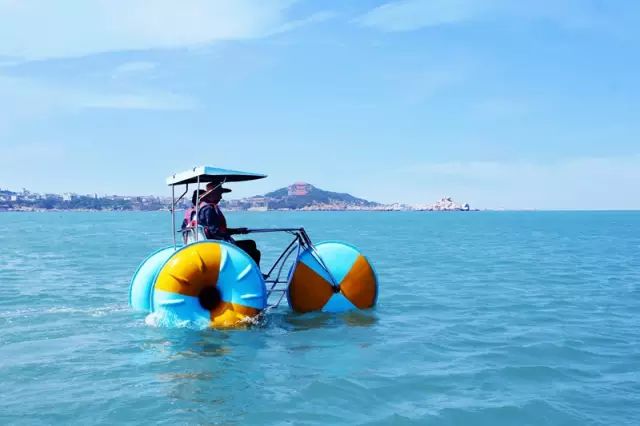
(214, 224)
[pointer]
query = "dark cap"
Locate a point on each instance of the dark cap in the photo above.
(217, 187)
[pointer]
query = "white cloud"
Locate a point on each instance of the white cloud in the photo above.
(157, 101)
(313, 19)
(413, 14)
(43, 29)
(409, 15)
(416, 87)
(574, 183)
(133, 68)
(22, 98)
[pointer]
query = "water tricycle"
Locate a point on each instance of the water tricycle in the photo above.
(214, 283)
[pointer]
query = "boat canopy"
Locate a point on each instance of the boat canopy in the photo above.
(211, 174)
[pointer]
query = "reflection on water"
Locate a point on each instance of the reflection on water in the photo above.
(292, 321)
(360, 319)
(187, 343)
(183, 343)
(206, 370)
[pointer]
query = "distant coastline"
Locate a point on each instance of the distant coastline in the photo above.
(299, 196)
(182, 208)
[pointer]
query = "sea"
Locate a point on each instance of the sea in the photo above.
(483, 318)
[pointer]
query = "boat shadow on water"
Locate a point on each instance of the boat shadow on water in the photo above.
(291, 321)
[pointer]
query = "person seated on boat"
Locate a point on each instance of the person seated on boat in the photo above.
(190, 213)
(214, 224)
(189, 221)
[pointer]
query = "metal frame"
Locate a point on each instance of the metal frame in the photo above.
(300, 242)
(172, 209)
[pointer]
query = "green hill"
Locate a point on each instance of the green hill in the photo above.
(303, 195)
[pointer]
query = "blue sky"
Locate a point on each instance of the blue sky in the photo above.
(503, 104)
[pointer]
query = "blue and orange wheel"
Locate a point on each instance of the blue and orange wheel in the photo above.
(208, 282)
(336, 278)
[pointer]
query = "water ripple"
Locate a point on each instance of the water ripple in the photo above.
(488, 318)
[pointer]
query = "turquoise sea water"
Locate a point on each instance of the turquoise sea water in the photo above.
(496, 318)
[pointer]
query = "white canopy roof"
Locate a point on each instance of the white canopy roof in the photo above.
(211, 174)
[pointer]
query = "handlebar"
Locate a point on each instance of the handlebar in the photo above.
(266, 230)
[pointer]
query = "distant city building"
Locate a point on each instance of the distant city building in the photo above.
(258, 204)
(444, 204)
(299, 188)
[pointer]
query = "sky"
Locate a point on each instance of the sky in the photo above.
(498, 103)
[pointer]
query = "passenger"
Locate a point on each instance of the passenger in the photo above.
(190, 213)
(189, 221)
(212, 220)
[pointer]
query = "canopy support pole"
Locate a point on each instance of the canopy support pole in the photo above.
(173, 214)
(197, 207)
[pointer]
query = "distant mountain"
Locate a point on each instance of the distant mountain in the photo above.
(302, 195)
